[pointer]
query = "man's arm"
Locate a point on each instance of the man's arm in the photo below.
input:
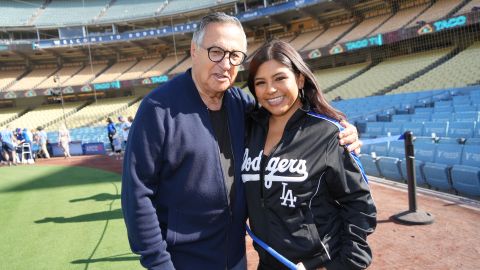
(139, 184)
(349, 136)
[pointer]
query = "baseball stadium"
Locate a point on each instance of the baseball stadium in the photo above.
(406, 73)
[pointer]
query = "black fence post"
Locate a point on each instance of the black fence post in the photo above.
(412, 216)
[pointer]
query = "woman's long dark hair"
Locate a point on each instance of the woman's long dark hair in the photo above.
(287, 55)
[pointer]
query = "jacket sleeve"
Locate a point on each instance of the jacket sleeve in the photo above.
(139, 183)
(348, 186)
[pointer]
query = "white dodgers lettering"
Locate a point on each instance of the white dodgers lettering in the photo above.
(251, 169)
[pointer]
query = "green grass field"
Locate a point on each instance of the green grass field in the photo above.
(55, 217)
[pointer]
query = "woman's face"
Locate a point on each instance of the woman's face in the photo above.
(277, 88)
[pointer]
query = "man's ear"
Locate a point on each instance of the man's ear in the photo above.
(193, 49)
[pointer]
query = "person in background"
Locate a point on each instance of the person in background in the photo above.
(182, 197)
(42, 141)
(117, 145)
(125, 128)
(307, 196)
(8, 145)
(111, 130)
(64, 140)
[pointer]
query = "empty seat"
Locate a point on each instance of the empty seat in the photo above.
(471, 116)
(433, 129)
(466, 176)
(442, 109)
(442, 117)
(465, 108)
(437, 173)
(392, 128)
(401, 118)
(415, 128)
(374, 128)
(421, 117)
(389, 167)
(424, 152)
(461, 129)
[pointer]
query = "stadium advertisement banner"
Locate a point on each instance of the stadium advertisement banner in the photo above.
(168, 30)
(395, 36)
(131, 35)
(97, 148)
(115, 85)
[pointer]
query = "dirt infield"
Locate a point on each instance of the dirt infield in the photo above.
(451, 242)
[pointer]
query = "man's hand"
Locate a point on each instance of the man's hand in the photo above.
(350, 136)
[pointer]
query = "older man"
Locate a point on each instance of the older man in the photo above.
(182, 197)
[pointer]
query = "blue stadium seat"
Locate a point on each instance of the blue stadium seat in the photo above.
(461, 100)
(443, 104)
(461, 129)
(474, 141)
(369, 165)
(389, 167)
(442, 117)
(392, 128)
(466, 176)
(465, 108)
(437, 173)
(374, 128)
(471, 116)
(424, 152)
(442, 109)
(415, 128)
(437, 128)
(428, 110)
(401, 118)
(421, 117)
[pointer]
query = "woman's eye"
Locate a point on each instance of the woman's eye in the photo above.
(280, 78)
(259, 83)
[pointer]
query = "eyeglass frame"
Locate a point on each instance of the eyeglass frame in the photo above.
(224, 54)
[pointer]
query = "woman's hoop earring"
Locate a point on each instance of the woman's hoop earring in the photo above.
(301, 94)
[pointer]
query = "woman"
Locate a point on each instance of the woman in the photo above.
(64, 140)
(307, 196)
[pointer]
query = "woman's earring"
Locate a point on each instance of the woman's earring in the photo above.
(301, 94)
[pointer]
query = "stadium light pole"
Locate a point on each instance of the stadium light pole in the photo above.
(56, 79)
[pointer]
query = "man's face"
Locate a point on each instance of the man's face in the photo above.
(213, 77)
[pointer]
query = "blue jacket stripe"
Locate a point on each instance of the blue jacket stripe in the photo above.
(337, 124)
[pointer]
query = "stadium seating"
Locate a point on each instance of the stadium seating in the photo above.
(329, 77)
(161, 67)
(438, 10)
(327, 37)
(364, 28)
(86, 75)
(113, 72)
(386, 73)
(8, 77)
(437, 172)
(79, 12)
(136, 71)
(466, 175)
(31, 80)
(451, 73)
(461, 129)
(424, 152)
(64, 74)
(400, 19)
(16, 13)
(468, 7)
(390, 166)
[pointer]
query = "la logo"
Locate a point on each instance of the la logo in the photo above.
(287, 197)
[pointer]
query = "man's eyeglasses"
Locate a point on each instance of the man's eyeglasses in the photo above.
(217, 54)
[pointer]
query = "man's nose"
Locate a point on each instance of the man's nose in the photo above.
(225, 62)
